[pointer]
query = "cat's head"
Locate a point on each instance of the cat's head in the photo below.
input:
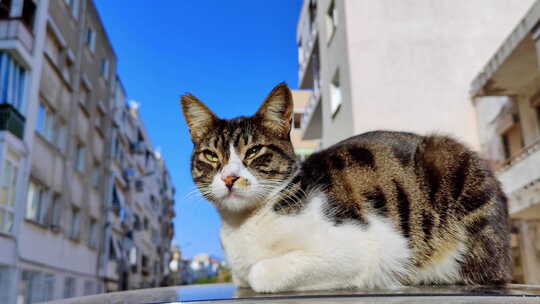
(236, 163)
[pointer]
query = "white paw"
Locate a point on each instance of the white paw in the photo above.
(265, 278)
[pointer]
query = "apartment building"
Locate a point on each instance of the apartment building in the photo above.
(58, 88)
(137, 241)
(302, 148)
(400, 65)
(506, 94)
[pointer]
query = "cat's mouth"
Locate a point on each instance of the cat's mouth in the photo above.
(233, 194)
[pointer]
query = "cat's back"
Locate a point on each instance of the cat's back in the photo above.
(437, 193)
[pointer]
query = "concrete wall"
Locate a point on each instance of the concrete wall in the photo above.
(335, 56)
(412, 62)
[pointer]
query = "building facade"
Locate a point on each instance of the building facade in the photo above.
(58, 88)
(506, 94)
(404, 65)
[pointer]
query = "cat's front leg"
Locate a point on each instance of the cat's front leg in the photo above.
(238, 281)
(282, 273)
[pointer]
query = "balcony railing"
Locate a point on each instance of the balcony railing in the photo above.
(522, 154)
(15, 29)
(308, 43)
(11, 120)
(311, 105)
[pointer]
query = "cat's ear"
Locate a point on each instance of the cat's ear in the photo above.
(199, 118)
(276, 111)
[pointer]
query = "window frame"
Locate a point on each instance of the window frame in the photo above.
(8, 188)
(336, 94)
(41, 202)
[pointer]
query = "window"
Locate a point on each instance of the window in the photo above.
(537, 109)
(56, 212)
(35, 286)
(92, 234)
(28, 287)
(53, 49)
(144, 261)
(145, 223)
(297, 120)
(69, 287)
(136, 222)
(5, 283)
(331, 21)
(80, 152)
(12, 81)
(74, 7)
(48, 287)
(75, 223)
(335, 94)
(67, 67)
(154, 236)
(105, 68)
(5, 8)
(8, 184)
(116, 204)
(84, 95)
(512, 141)
(36, 204)
(133, 259)
(45, 123)
(51, 127)
(61, 135)
(91, 39)
(99, 121)
(89, 288)
(96, 175)
(29, 13)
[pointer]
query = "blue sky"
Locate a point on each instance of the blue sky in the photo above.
(228, 53)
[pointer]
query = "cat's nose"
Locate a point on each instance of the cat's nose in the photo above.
(229, 181)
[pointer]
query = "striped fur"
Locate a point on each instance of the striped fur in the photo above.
(428, 198)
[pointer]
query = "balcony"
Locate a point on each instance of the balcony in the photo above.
(305, 51)
(312, 117)
(16, 30)
(11, 120)
(520, 178)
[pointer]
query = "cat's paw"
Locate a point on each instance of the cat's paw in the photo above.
(263, 277)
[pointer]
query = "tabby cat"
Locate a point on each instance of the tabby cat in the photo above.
(378, 210)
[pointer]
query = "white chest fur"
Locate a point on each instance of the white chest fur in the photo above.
(271, 252)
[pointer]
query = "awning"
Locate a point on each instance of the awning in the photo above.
(514, 63)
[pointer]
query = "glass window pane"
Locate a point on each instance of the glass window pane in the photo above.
(31, 202)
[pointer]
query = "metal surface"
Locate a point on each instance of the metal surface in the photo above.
(228, 293)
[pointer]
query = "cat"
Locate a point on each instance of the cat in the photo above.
(382, 209)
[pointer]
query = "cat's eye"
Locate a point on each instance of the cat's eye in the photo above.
(211, 156)
(252, 151)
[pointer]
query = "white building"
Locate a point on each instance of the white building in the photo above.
(402, 65)
(506, 94)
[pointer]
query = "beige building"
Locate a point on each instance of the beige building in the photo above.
(506, 94)
(58, 89)
(402, 65)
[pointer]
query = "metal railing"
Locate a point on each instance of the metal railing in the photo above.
(311, 105)
(11, 120)
(522, 154)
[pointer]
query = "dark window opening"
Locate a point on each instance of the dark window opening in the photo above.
(297, 120)
(5, 8)
(29, 14)
(506, 146)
